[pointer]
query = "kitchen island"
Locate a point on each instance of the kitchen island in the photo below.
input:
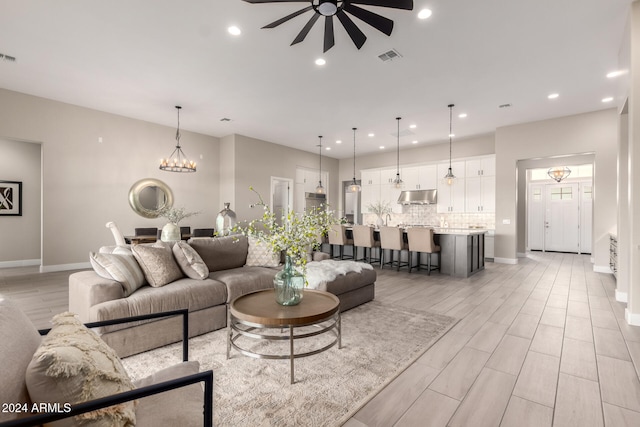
(461, 251)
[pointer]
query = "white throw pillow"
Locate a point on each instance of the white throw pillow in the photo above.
(261, 255)
(189, 261)
(121, 266)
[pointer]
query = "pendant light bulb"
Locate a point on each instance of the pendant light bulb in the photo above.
(397, 182)
(354, 187)
(320, 188)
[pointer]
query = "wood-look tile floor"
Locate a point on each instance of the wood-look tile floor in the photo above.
(540, 343)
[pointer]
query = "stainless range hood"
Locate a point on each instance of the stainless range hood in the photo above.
(418, 197)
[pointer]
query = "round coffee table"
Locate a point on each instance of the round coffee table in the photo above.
(254, 315)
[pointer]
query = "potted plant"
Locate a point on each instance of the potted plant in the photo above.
(381, 209)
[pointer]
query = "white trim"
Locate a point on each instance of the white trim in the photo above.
(498, 260)
(19, 263)
(521, 254)
(64, 267)
(602, 269)
(631, 318)
(622, 296)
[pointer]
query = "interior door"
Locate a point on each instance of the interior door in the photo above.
(535, 217)
(562, 232)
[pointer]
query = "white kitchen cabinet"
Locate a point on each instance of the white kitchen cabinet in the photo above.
(420, 177)
(489, 245)
(458, 169)
(370, 194)
(483, 166)
(480, 194)
(451, 198)
(390, 194)
(387, 176)
(370, 177)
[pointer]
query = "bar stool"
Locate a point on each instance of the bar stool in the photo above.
(338, 236)
(421, 241)
(391, 238)
(363, 237)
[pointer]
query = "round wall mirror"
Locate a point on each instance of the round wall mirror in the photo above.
(148, 196)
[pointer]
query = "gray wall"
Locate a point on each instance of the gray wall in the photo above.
(20, 235)
(86, 183)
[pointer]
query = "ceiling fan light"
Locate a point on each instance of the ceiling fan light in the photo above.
(328, 7)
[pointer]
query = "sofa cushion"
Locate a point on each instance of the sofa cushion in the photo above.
(19, 339)
(186, 293)
(243, 280)
(260, 254)
(350, 281)
(157, 262)
(222, 253)
(121, 266)
(189, 261)
(74, 365)
(179, 407)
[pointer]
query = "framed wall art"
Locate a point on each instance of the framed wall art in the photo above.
(10, 198)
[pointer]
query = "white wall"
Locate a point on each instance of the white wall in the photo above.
(595, 132)
(86, 183)
(20, 235)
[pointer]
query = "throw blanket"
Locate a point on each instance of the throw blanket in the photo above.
(319, 273)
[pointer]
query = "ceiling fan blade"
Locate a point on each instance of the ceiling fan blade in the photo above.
(354, 32)
(286, 18)
(395, 4)
(277, 1)
(378, 22)
(329, 41)
(305, 30)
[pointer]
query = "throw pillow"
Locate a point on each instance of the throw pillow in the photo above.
(74, 365)
(261, 255)
(189, 261)
(157, 263)
(121, 266)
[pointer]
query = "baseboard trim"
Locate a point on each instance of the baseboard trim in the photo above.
(64, 267)
(521, 254)
(622, 296)
(631, 318)
(19, 263)
(505, 260)
(602, 269)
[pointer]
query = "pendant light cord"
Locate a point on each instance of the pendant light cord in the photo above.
(398, 150)
(354, 155)
(320, 171)
(450, 131)
(178, 129)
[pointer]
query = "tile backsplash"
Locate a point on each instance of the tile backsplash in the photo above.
(427, 215)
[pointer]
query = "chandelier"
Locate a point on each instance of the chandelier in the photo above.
(177, 161)
(559, 173)
(354, 187)
(449, 178)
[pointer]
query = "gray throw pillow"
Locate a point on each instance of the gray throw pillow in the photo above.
(189, 261)
(157, 263)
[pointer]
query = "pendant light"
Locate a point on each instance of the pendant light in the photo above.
(177, 161)
(397, 182)
(559, 173)
(354, 187)
(450, 178)
(320, 188)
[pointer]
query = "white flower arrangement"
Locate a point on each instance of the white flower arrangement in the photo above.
(175, 215)
(295, 234)
(379, 208)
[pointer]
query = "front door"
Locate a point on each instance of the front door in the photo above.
(562, 219)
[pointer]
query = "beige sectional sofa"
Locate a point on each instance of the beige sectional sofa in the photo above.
(94, 297)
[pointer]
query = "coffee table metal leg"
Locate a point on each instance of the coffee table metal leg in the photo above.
(339, 331)
(291, 352)
(229, 336)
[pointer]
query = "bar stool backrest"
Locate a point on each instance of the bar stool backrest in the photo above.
(363, 236)
(421, 240)
(391, 238)
(337, 234)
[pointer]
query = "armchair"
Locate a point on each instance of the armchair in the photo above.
(172, 396)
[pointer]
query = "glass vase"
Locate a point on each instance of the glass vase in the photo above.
(288, 284)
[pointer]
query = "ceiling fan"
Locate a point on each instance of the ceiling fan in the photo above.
(331, 8)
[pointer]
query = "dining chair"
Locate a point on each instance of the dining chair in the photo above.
(391, 239)
(203, 232)
(363, 238)
(338, 237)
(421, 241)
(184, 232)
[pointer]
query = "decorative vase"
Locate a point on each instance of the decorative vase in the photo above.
(288, 284)
(170, 233)
(226, 220)
(379, 222)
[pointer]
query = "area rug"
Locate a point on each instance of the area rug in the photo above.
(379, 341)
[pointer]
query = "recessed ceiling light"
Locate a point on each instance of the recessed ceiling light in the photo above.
(424, 13)
(328, 148)
(413, 126)
(234, 31)
(382, 147)
(462, 115)
(320, 61)
(338, 142)
(616, 73)
(607, 99)
(553, 96)
(414, 142)
(371, 135)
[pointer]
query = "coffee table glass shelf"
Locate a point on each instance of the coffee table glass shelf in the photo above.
(257, 316)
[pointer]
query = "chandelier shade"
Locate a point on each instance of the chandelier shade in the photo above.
(559, 173)
(354, 187)
(177, 161)
(397, 182)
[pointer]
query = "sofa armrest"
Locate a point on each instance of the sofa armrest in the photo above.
(127, 396)
(87, 289)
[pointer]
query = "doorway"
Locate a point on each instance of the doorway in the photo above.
(281, 198)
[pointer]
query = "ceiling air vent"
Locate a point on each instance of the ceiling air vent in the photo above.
(225, 119)
(390, 55)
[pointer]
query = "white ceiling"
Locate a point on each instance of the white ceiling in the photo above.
(140, 58)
